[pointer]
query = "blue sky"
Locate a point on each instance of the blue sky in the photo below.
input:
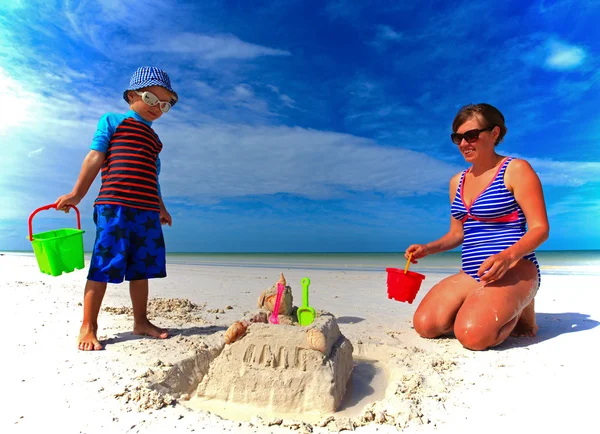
(302, 125)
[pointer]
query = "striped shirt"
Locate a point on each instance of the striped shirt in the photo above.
(492, 223)
(130, 170)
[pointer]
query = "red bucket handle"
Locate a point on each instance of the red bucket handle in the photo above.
(45, 207)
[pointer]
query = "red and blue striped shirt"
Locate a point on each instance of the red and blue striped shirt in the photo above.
(130, 171)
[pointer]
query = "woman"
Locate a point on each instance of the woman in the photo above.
(499, 216)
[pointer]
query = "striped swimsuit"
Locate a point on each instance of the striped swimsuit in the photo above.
(492, 223)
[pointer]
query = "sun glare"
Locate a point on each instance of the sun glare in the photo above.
(15, 103)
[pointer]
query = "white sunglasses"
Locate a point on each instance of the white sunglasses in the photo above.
(152, 100)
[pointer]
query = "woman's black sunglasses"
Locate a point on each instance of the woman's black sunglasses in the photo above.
(469, 136)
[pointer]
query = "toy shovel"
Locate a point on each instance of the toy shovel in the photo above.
(306, 314)
(274, 318)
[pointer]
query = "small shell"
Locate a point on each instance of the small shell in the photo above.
(316, 340)
(235, 332)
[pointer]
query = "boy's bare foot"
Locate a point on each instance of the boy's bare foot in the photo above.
(87, 340)
(149, 329)
(526, 326)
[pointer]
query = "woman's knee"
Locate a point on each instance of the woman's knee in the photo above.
(427, 324)
(475, 336)
(435, 315)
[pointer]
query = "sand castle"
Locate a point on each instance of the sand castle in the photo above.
(284, 367)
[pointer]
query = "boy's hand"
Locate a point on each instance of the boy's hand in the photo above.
(165, 217)
(65, 202)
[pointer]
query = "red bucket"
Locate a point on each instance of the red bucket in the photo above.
(401, 286)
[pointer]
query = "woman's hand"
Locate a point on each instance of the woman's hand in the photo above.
(417, 250)
(495, 267)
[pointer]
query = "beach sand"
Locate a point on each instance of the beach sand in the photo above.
(401, 381)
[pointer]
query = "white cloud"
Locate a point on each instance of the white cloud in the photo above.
(566, 173)
(243, 92)
(582, 203)
(387, 33)
(238, 160)
(549, 52)
(205, 89)
(208, 47)
(286, 100)
(242, 99)
(562, 56)
(36, 152)
(99, 23)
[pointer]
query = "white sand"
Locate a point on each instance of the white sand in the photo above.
(547, 382)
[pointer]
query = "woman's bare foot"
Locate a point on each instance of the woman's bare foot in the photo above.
(149, 329)
(87, 340)
(526, 326)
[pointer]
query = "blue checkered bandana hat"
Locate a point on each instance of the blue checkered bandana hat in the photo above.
(146, 76)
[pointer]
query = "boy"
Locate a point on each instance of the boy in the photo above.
(129, 210)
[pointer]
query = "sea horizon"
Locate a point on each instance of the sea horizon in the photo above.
(584, 262)
(315, 252)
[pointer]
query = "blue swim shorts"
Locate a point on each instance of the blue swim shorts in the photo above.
(129, 245)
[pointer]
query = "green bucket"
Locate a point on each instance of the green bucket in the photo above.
(59, 251)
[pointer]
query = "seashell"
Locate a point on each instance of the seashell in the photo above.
(316, 340)
(267, 298)
(235, 331)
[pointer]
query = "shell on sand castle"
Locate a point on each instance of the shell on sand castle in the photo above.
(285, 368)
(316, 340)
(235, 331)
(267, 298)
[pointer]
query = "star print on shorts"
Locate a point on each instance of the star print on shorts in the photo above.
(129, 245)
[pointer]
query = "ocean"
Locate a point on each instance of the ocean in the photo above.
(580, 262)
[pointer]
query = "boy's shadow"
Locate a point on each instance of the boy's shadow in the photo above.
(550, 326)
(173, 333)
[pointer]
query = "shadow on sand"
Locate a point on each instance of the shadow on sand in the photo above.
(191, 331)
(359, 386)
(550, 326)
